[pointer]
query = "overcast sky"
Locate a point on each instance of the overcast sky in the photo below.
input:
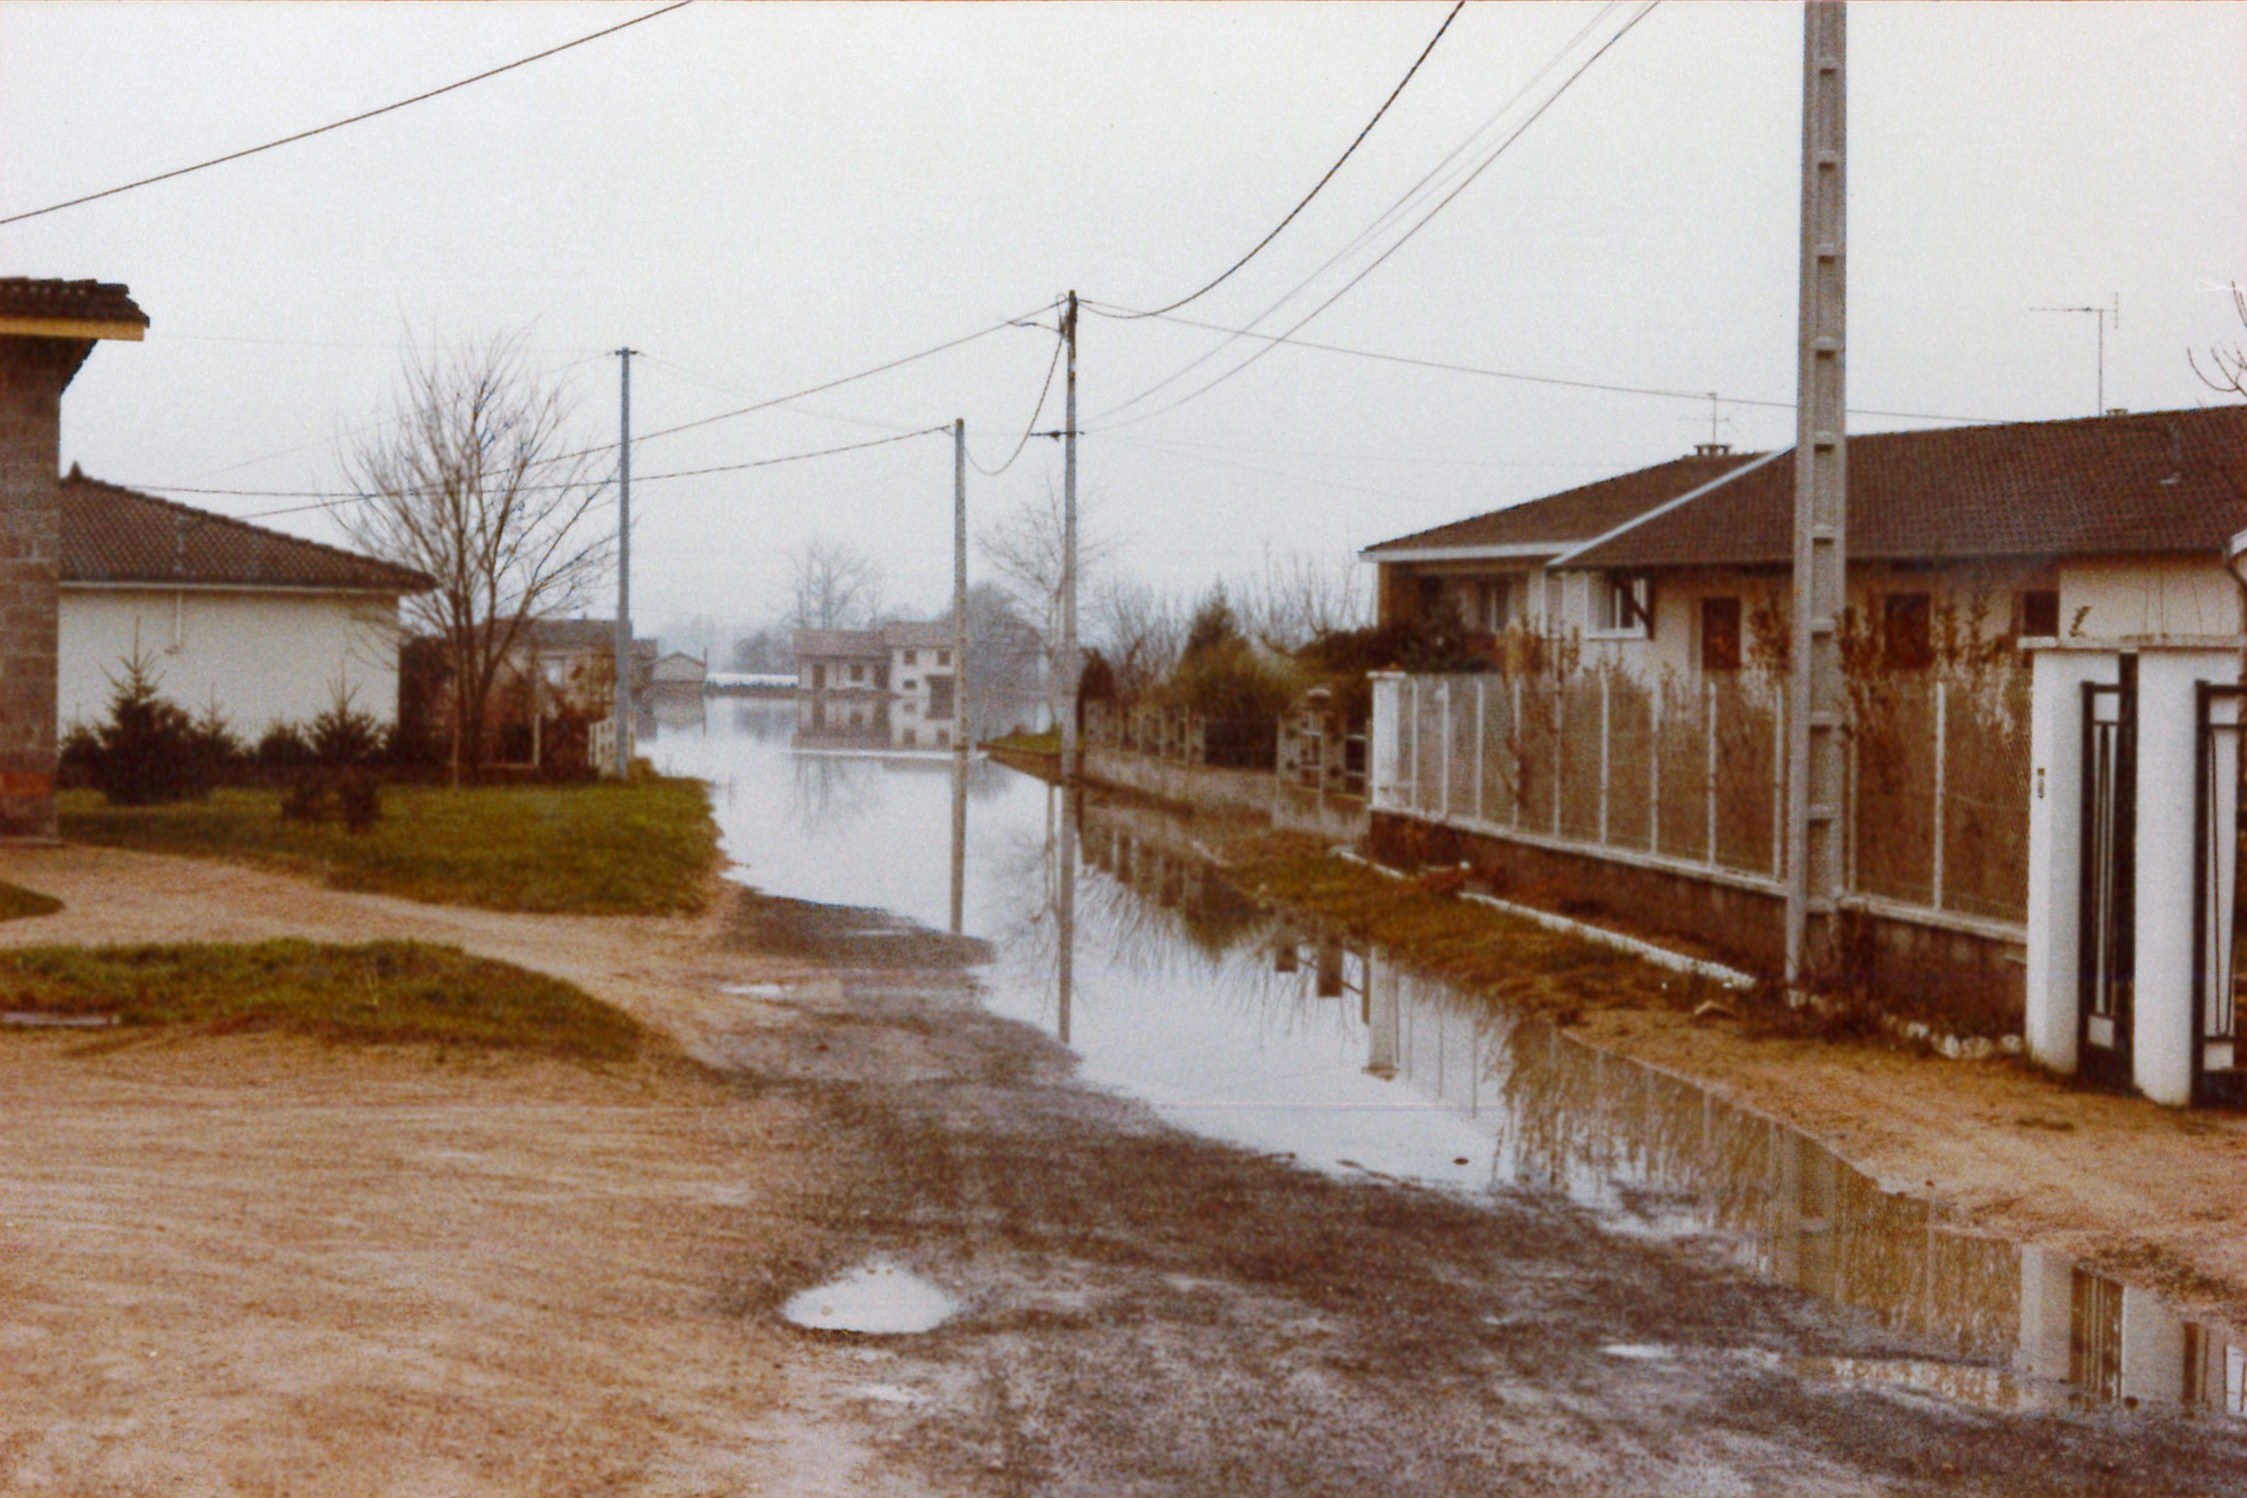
(764, 197)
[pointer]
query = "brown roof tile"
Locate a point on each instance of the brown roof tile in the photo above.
(72, 301)
(2158, 482)
(1574, 515)
(114, 535)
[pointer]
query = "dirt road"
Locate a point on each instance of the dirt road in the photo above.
(245, 1265)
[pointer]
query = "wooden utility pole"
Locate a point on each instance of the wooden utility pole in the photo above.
(1815, 772)
(1068, 661)
(621, 712)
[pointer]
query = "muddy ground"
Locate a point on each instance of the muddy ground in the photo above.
(244, 1265)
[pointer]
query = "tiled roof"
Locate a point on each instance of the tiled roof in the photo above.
(934, 635)
(68, 301)
(1574, 515)
(863, 643)
(2160, 482)
(585, 634)
(114, 535)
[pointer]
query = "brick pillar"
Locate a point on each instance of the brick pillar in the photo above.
(33, 372)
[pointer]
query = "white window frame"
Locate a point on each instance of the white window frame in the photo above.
(1605, 615)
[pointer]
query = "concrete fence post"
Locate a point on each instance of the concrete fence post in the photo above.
(1443, 744)
(1711, 697)
(1942, 716)
(1606, 719)
(1654, 770)
(1482, 722)
(1513, 729)
(1779, 788)
(1560, 728)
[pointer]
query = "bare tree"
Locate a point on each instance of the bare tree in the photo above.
(1140, 631)
(1299, 596)
(1025, 548)
(474, 484)
(832, 585)
(2227, 365)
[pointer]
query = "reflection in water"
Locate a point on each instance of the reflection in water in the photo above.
(1653, 1154)
(1171, 987)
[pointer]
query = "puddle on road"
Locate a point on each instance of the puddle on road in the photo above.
(1109, 930)
(874, 1300)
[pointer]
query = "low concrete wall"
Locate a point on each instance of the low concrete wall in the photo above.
(1968, 981)
(1196, 786)
(1236, 792)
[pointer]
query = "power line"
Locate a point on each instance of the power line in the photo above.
(287, 140)
(1316, 187)
(1031, 429)
(1406, 238)
(1609, 386)
(1403, 203)
(330, 500)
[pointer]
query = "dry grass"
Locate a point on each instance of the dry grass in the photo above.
(648, 848)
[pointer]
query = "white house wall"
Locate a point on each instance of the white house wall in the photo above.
(263, 658)
(2165, 596)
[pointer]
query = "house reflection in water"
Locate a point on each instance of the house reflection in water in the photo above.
(1657, 1156)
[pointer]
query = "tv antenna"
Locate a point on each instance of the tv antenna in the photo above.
(1717, 422)
(2105, 317)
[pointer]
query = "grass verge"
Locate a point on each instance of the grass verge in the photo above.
(647, 848)
(16, 902)
(381, 993)
(1480, 949)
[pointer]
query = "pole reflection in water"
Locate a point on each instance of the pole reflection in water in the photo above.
(959, 837)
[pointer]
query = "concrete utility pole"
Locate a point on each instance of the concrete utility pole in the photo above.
(1069, 671)
(1815, 773)
(959, 585)
(621, 718)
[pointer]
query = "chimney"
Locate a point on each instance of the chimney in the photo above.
(1712, 449)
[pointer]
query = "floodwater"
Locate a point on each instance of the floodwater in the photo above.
(875, 1300)
(1109, 932)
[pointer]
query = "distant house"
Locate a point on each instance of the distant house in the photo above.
(679, 671)
(908, 665)
(575, 656)
(265, 627)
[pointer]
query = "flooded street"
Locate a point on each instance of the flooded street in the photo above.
(1108, 933)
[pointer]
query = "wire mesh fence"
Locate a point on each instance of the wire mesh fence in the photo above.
(1938, 773)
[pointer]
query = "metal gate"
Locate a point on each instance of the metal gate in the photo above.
(2217, 1075)
(2107, 945)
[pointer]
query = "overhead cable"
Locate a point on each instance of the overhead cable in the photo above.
(288, 140)
(1031, 428)
(1404, 203)
(1610, 386)
(1256, 249)
(1406, 238)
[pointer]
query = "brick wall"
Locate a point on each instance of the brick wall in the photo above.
(32, 374)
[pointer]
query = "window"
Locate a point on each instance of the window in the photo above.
(2040, 613)
(912, 657)
(857, 674)
(1491, 606)
(1621, 605)
(1720, 634)
(944, 657)
(1907, 635)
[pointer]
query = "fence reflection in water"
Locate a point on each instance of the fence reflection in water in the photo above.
(1656, 1155)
